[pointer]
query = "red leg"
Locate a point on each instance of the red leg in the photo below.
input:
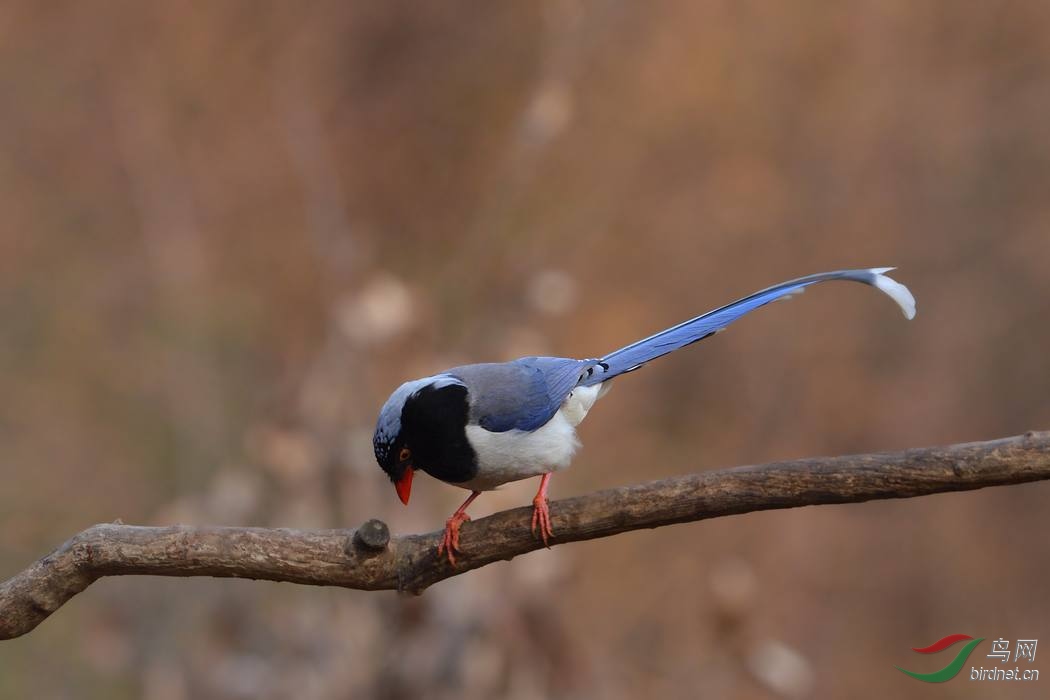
(450, 543)
(541, 514)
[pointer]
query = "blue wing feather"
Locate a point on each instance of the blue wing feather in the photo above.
(519, 395)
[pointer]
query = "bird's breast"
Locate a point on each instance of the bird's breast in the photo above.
(513, 455)
(519, 454)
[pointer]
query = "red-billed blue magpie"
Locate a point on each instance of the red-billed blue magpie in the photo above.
(483, 425)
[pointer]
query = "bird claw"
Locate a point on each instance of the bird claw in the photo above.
(541, 517)
(450, 542)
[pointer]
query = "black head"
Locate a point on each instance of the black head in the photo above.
(423, 426)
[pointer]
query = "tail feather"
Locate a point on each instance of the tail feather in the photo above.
(635, 355)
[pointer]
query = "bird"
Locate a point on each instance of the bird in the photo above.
(480, 426)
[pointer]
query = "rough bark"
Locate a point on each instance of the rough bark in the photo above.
(369, 558)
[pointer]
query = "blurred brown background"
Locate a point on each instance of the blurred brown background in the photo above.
(230, 229)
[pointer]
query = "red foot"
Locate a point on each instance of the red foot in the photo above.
(450, 543)
(541, 514)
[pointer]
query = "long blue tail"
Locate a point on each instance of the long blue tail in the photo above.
(635, 355)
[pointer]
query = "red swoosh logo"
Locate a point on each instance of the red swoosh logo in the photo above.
(942, 644)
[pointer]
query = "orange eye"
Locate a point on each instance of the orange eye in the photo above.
(404, 455)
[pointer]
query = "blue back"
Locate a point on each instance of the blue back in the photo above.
(519, 395)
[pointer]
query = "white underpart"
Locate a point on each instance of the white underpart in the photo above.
(895, 290)
(519, 454)
(580, 401)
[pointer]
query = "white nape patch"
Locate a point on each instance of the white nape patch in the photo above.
(895, 290)
(519, 454)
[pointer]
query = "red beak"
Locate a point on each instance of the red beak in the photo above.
(404, 485)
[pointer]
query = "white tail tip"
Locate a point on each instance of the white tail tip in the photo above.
(894, 290)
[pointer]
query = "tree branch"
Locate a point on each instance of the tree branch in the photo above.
(368, 558)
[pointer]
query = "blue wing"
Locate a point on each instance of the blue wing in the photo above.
(637, 354)
(519, 395)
